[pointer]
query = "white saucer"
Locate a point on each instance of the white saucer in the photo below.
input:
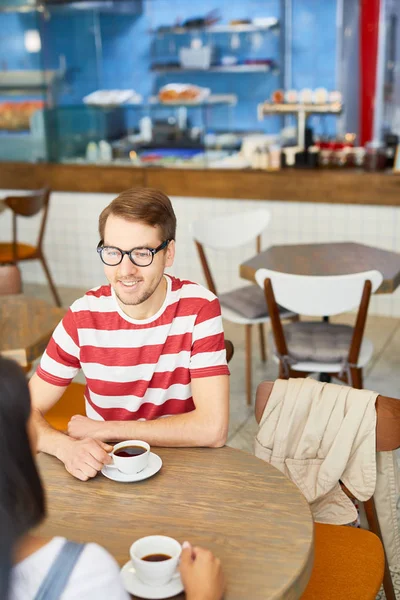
(134, 586)
(154, 465)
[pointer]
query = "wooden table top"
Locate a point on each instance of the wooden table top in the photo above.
(26, 325)
(334, 258)
(246, 511)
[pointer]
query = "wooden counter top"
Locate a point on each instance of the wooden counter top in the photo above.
(297, 185)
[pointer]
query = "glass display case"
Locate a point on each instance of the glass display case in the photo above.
(143, 82)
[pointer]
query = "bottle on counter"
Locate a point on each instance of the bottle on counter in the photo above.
(264, 158)
(146, 129)
(92, 152)
(105, 151)
(359, 155)
(375, 156)
(290, 155)
(256, 158)
(313, 157)
(274, 158)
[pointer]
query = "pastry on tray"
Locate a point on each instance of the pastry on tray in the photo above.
(182, 92)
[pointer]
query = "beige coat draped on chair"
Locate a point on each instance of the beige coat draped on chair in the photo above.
(319, 434)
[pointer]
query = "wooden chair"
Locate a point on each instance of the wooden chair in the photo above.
(14, 251)
(319, 346)
(328, 544)
(245, 305)
(72, 401)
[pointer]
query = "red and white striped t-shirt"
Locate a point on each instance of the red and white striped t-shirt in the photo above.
(138, 369)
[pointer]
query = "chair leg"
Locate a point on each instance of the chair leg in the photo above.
(356, 378)
(248, 364)
(373, 522)
(50, 280)
(263, 346)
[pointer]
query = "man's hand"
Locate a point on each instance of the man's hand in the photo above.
(81, 427)
(84, 458)
(201, 574)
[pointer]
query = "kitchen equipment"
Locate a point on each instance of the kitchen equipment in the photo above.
(196, 58)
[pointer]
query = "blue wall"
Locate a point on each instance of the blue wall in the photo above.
(126, 50)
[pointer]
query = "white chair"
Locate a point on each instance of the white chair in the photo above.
(320, 346)
(246, 305)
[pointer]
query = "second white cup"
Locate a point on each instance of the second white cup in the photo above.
(155, 558)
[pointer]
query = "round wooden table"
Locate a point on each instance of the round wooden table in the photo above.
(332, 258)
(233, 503)
(26, 326)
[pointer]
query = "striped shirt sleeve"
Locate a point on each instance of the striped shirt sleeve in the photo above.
(60, 362)
(208, 355)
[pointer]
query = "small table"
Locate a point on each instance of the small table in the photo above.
(243, 509)
(26, 326)
(335, 258)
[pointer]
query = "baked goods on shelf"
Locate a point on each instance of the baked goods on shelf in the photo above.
(15, 116)
(175, 93)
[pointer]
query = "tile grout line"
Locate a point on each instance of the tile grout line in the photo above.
(239, 429)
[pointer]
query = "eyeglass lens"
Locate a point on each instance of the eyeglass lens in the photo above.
(141, 256)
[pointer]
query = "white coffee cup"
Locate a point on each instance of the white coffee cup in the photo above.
(131, 464)
(160, 572)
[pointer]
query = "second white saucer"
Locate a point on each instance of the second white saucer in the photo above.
(134, 586)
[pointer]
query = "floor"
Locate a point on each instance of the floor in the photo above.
(381, 375)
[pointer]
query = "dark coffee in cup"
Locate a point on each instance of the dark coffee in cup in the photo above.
(156, 557)
(129, 451)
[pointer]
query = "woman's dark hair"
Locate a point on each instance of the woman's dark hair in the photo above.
(22, 503)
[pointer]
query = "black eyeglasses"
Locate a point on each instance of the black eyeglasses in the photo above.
(141, 257)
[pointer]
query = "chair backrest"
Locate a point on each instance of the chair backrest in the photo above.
(230, 231)
(318, 295)
(28, 206)
(387, 413)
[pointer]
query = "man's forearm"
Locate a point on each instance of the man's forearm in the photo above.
(185, 430)
(50, 440)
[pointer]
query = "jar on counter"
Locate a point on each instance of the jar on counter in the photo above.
(375, 156)
(359, 155)
(324, 153)
(275, 158)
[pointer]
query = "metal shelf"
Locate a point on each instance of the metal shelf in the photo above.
(154, 101)
(245, 28)
(26, 80)
(301, 110)
(212, 100)
(217, 69)
(269, 109)
(31, 82)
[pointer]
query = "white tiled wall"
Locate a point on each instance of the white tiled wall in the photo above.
(71, 237)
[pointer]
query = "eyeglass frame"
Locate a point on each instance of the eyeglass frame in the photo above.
(153, 251)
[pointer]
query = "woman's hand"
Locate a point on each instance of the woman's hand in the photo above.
(201, 574)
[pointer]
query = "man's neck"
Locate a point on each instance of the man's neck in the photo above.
(151, 306)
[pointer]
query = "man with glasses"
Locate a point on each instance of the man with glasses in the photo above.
(149, 345)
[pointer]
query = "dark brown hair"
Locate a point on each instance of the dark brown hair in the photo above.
(146, 205)
(22, 502)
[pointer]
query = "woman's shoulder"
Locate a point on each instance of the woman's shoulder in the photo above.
(95, 574)
(96, 571)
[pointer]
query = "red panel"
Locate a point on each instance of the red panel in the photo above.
(369, 31)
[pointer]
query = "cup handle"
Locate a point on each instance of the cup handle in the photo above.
(112, 465)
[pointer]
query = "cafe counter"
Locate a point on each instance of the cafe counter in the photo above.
(333, 186)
